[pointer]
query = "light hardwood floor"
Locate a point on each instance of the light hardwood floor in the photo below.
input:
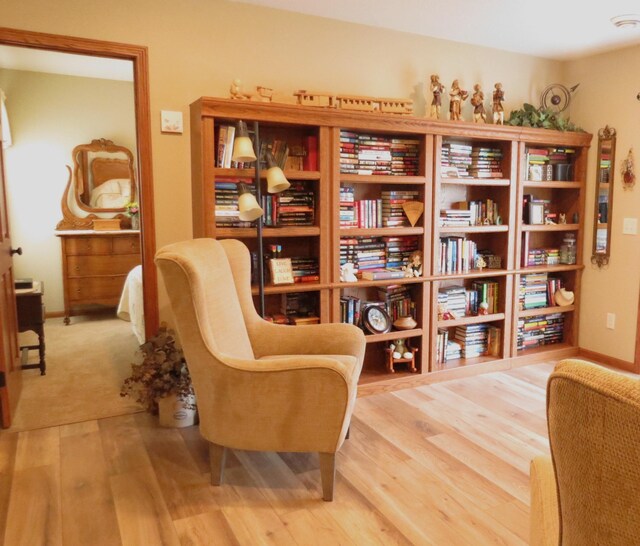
(443, 464)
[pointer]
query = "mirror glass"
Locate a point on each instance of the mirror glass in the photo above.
(604, 196)
(104, 178)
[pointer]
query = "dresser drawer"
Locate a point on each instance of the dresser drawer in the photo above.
(126, 245)
(104, 290)
(87, 266)
(87, 246)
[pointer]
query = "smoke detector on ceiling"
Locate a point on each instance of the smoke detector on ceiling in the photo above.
(628, 20)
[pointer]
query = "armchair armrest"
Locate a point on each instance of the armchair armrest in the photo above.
(545, 520)
(321, 339)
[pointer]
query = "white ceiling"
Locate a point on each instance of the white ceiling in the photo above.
(556, 29)
(38, 60)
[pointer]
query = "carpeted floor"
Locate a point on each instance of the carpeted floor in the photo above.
(87, 362)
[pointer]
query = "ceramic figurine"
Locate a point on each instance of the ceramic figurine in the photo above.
(483, 308)
(480, 262)
(437, 89)
(477, 100)
(456, 96)
(236, 91)
(562, 218)
(348, 273)
(414, 267)
(498, 109)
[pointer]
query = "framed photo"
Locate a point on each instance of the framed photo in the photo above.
(376, 320)
(281, 271)
(536, 213)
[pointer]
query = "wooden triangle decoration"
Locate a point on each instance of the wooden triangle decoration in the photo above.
(413, 210)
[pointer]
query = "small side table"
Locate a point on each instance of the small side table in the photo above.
(31, 317)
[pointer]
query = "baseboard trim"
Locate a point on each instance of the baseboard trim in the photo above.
(608, 360)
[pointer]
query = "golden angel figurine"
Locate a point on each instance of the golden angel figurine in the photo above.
(456, 96)
(437, 89)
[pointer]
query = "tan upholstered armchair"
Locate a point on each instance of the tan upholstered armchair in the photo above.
(593, 496)
(259, 386)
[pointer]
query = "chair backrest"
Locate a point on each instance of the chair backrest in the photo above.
(203, 296)
(594, 432)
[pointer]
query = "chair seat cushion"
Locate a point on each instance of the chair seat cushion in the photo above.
(349, 361)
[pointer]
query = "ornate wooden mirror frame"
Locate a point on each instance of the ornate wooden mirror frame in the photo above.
(138, 56)
(603, 207)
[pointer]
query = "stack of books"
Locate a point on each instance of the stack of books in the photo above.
(537, 160)
(459, 301)
(474, 339)
(348, 210)
(305, 269)
(457, 255)
(293, 207)
(456, 159)
(226, 209)
(486, 162)
(398, 250)
(455, 218)
(367, 154)
(538, 256)
(392, 212)
(441, 346)
(537, 331)
(533, 291)
(487, 293)
(363, 252)
(397, 301)
(300, 307)
(453, 349)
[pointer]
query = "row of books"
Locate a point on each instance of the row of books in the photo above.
(478, 340)
(292, 207)
(397, 300)
(540, 162)
(296, 308)
(462, 160)
(470, 213)
(377, 252)
(373, 213)
(532, 257)
(462, 302)
(542, 330)
(378, 154)
(537, 290)
(457, 255)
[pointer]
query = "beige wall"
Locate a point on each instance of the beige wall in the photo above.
(607, 96)
(197, 48)
(50, 115)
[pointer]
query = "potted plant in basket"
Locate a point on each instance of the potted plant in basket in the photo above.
(133, 210)
(161, 382)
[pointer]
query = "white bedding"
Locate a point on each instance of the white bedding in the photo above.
(112, 194)
(131, 306)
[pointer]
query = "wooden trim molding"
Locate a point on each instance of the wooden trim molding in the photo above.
(637, 359)
(608, 360)
(139, 57)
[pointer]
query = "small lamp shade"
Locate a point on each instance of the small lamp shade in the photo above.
(276, 180)
(247, 205)
(242, 145)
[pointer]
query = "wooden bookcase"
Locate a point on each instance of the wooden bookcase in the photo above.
(437, 191)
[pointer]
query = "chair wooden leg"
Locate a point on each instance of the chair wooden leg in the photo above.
(217, 456)
(327, 474)
(348, 432)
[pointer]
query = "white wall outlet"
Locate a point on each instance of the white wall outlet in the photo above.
(611, 321)
(630, 226)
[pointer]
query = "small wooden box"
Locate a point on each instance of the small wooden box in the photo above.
(106, 224)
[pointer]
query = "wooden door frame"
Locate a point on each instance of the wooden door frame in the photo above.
(637, 359)
(139, 57)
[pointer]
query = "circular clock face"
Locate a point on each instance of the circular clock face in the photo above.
(377, 320)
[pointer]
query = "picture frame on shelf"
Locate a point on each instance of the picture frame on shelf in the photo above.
(536, 213)
(281, 271)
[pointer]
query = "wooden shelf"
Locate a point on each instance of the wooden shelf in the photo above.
(362, 283)
(288, 288)
(382, 179)
(545, 349)
(476, 181)
(550, 227)
(546, 311)
(474, 229)
(476, 273)
(548, 268)
(553, 184)
(463, 362)
(250, 173)
(381, 232)
(251, 233)
(394, 334)
(477, 319)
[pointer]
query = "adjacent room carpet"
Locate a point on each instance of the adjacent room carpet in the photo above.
(87, 362)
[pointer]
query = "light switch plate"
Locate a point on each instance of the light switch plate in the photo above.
(630, 226)
(171, 122)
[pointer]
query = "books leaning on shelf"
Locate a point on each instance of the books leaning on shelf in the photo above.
(226, 134)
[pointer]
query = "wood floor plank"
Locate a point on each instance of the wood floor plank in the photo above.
(208, 529)
(124, 449)
(143, 517)
(515, 516)
(89, 515)
(38, 448)
(8, 449)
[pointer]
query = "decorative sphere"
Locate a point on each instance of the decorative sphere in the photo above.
(555, 100)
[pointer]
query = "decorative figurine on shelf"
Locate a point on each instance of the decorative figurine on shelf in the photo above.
(414, 267)
(443, 312)
(483, 308)
(236, 91)
(498, 109)
(266, 93)
(477, 100)
(562, 218)
(348, 273)
(480, 262)
(456, 96)
(399, 351)
(628, 173)
(563, 297)
(437, 89)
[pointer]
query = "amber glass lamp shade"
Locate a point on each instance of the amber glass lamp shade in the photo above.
(276, 180)
(247, 205)
(242, 146)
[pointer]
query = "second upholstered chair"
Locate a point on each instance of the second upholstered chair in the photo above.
(587, 493)
(259, 386)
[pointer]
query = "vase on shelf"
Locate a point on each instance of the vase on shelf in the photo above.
(135, 221)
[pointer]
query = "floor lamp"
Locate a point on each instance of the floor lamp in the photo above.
(244, 151)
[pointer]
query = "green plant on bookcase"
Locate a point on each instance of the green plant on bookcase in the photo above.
(543, 118)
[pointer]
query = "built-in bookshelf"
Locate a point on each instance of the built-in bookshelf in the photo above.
(483, 299)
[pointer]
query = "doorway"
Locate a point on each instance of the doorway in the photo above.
(136, 56)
